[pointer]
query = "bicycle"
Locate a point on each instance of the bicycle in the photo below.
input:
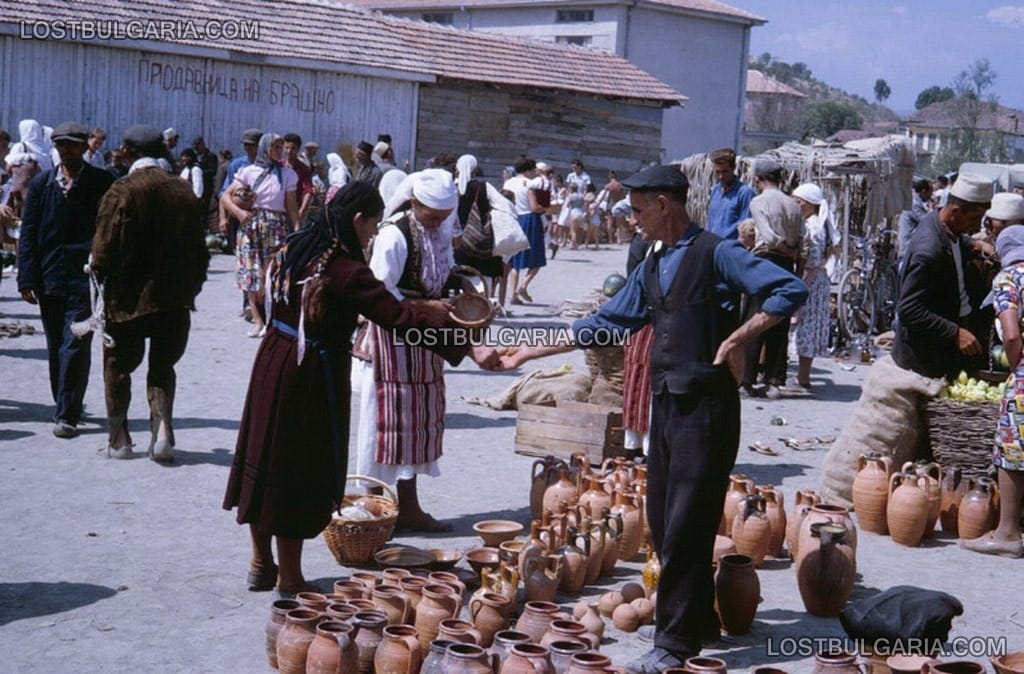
(866, 304)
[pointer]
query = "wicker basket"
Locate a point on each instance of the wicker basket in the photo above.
(356, 541)
(961, 433)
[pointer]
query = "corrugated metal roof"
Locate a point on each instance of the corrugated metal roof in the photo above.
(324, 31)
(703, 6)
(760, 83)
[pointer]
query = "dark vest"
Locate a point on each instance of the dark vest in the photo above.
(410, 283)
(689, 322)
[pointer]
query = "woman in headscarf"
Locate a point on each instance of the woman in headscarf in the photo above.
(814, 319)
(33, 145)
(269, 214)
(337, 174)
(478, 192)
(523, 187)
(291, 458)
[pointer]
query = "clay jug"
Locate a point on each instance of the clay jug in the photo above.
(503, 643)
(705, 665)
(274, 625)
(828, 512)
(979, 509)
(527, 659)
(539, 545)
(563, 491)
(723, 546)
(574, 562)
(953, 488)
(569, 630)
(433, 661)
(544, 473)
(775, 510)
(536, 617)
(312, 600)
(737, 591)
(595, 499)
(908, 509)
(490, 613)
(508, 551)
(543, 575)
(629, 542)
(294, 639)
(562, 652)
(932, 473)
(871, 492)
(340, 611)
(440, 602)
(466, 659)
(450, 579)
(739, 489)
(349, 588)
(398, 652)
(369, 581)
(595, 535)
(591, 619)
(840, 662)
(393, 602)
(457, 631)
(413, 588)
(613, 535)
(956, 667)
(751, 530)
(589, 663)
(393, 576)
(369, 634)
(802, 503)
(333, 651)
(826, 570)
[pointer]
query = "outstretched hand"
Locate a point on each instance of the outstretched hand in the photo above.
(487, 357)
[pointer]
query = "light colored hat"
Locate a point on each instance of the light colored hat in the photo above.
(1010, 245)
(1006, 206)
(1016, 178)
(380, 148)
(170, 132)
(434, 188)
(541, 166)
(810, 193)
(972, 188)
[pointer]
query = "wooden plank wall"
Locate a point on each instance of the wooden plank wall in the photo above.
(497, 124)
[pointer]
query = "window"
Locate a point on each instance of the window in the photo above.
(574, 15)
(581, 40)
(445, 18)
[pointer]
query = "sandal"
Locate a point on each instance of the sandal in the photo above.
(762, 448)
(262, 581)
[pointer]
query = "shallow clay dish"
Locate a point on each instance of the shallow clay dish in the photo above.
(403, 557)
(906, 664)
(1011, 663)
(482, 558)
(444, 559)
(495, 532)
(471, 310)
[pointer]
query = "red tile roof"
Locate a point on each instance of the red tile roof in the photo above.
(319, 30)
(944, 115)
(760, 83)
(703, 6)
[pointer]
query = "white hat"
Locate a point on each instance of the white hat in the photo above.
(380, 148)
(972, 188)
(541, 166)
(434, 188)
(170, 132)
(1016, 177)
(1006, 206)
(810, 193)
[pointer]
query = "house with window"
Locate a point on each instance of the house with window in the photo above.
(698, 47)
(931, 127)
(771, 114)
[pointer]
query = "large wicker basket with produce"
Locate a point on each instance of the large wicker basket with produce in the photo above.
(962, 421)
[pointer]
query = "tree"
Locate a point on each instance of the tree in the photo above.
(967, 142)
(882, 90)
(823, 119)
(933, 94)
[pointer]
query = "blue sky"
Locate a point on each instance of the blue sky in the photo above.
(911, 44)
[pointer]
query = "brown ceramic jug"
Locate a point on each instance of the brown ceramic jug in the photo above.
(932, 473)
(294, 639)
(956, 667)
(274, 625)
(467, 659)
(450, 579)
(908, 509)
(398, 652)
(340, 611)
(350, 588)
(527, 659)
(589, 663)
(568, 630)
(544, 473)
(828, 512)
(595, 499)
(490, 613)
(440, 602)
(312, 600)
(536, 617)
(503, 643)
(575, 559)
(979, 509)
(543, 575)
(333, 651)
(613, 536)
(739, 489)
(563, 491)
(802, 503)
(458, 631)
(751, 530)
(737, 591)
(953, 488)
(632, 532)
(826, 570)
(393, 602)
(538, 545)
(775, 511)
(562, 652)
(840, 662)
(871, 492)
(370, 632)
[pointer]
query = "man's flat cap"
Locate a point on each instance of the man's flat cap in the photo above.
(657, 178)
(765, 168)
(72, 131)
(365, 147)
(142, 135)
(252, 135)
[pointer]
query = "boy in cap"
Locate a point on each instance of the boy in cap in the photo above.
(689, 292)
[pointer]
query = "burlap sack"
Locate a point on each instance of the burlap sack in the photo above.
(537, 387)
(887, 420)
(606, 368)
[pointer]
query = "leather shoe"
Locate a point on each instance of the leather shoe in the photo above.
(988, 545)
(63, 429)
(657, 660)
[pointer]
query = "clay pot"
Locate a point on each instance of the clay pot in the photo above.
(907, 664)
(457, 631)
(490, 613)
(333, 651)
(433, 661)
(613, 537)
(802, 503)
(595, 534)
(369, 634)
(527, 659)
(508, 551)
(450, 579)
(591, 619)
(312, 600)
(542, 577)
(908, 509)
(503, 643)
(644, 610)
(952, 491)
(575, 560)
(608, 602)
(274, 625)
(595, 499)
(539, 545)
(827, 512)
(1010, 663)
(394, 576)
(369, 581)
(569, 630)
(294, 639)
(979, 509)
(705, 665)
(723, 546)
(466, 659)
(535, 619)
(739, 489)
(413, 589)
(440, 602)
(750, 529)
(398, 652)
(632, 533)
(340, 611)
(589, 663)
(544, 473)
(958, 667)
(840, 662)
(871, 492)
(826, 570)
(737, 591)
(350, 589)
(563, 491)
(562, 652)
(932, 474)
(775, 511)
(393, 602)
(625, 618)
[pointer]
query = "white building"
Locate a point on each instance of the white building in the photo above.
(698, 47)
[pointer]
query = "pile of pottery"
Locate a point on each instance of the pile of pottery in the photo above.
(906, 504)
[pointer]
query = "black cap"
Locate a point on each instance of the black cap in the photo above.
(252, 135)
(365, 147)
(657, 178)
(72, 131)
(197, 140)
(384, 138)
(144, 139)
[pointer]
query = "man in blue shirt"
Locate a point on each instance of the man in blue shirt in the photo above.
(689, 291)
(730, 197)
(228, 225)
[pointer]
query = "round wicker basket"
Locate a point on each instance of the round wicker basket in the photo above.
(354, 541)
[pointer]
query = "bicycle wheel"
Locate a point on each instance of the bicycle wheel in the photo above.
(886, 295)
(852, 305)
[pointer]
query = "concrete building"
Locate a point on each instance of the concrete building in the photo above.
(772, 112)
(931, 127)
(698, 47)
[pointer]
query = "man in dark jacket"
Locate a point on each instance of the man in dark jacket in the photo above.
(58, 224)
(149, 253)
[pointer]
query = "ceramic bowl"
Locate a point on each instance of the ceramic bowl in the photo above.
(471, 310)
(482, 558)
(906, 664)
(1011, 663)
(444, 559)
(495, 532)
(403, 557)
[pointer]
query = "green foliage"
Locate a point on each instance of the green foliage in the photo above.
(822, 119)
(969, 143)
(882, 90)
(933, 94)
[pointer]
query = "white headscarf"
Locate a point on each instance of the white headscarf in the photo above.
(389, 183)
(337, 174)
(813, 195)
(33, 144)
(464, 167)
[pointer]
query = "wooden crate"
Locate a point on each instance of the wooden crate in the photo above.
(562, 428)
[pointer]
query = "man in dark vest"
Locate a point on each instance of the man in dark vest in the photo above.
(689, 291)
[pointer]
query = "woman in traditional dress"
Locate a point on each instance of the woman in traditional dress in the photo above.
(814, 320)
(290, 462)
(522, 187)
(337, 174)
(474, 191)
(273, 213)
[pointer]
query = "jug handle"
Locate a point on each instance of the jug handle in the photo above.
(864, 665)
(412, 643)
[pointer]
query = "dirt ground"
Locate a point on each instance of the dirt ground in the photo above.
(131, 566)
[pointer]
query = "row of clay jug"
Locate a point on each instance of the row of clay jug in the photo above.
(754, 518)
(908, 503)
